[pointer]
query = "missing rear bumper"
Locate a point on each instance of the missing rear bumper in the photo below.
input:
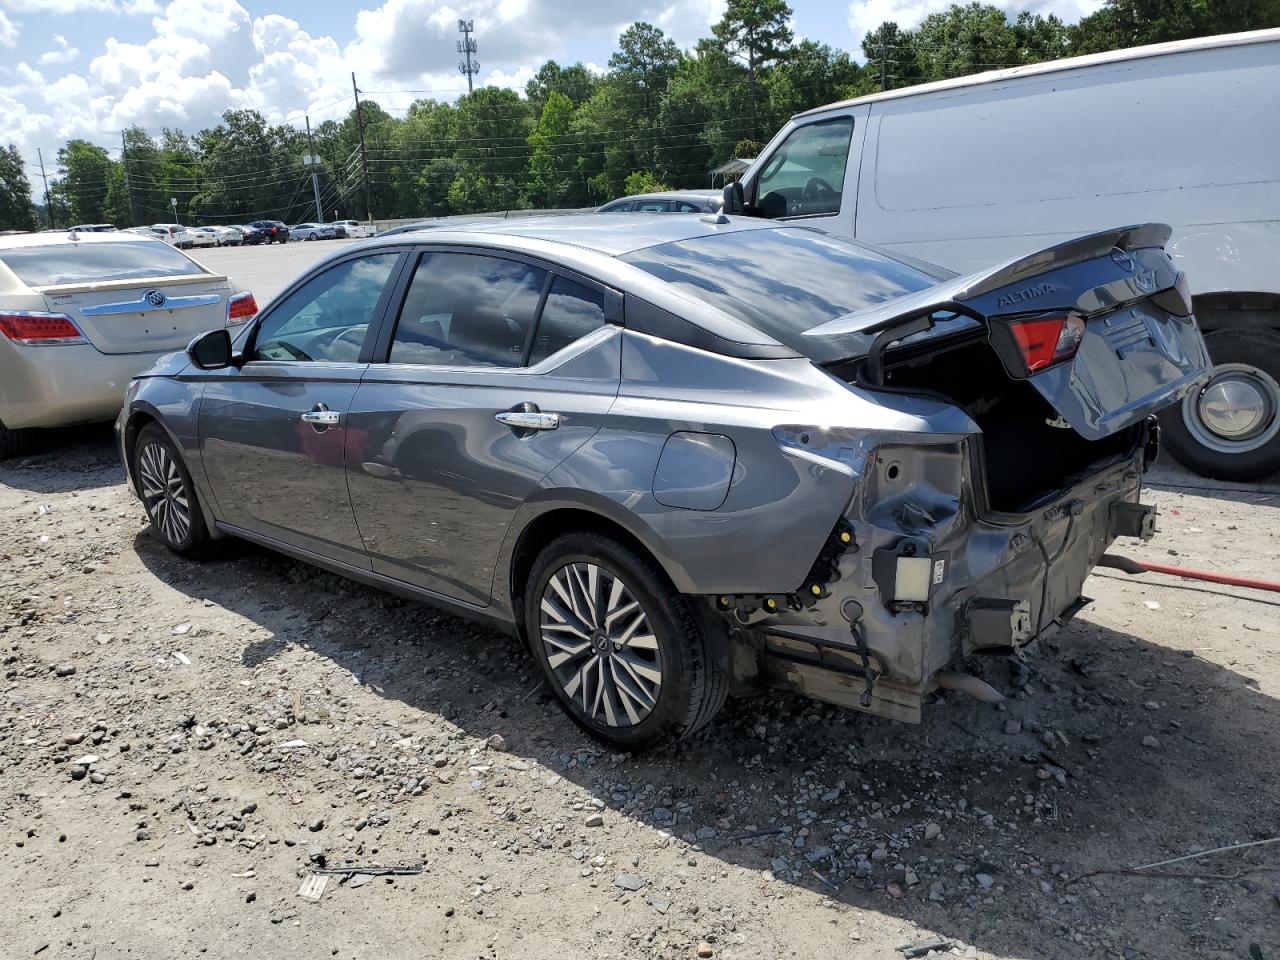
(1130, 519)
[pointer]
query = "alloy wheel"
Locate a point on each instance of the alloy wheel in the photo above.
(597, 638)
(164, 494)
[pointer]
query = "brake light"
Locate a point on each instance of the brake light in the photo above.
(1045, 341)
(40, 329)
(241, 308)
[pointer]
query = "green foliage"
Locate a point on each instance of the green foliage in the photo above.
(643, 181)
(658, 116)
(17, 211)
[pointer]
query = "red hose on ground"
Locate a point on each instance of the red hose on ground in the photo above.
(1209, 576)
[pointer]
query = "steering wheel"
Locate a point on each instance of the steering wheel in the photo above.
(351, 335)
(818, 189)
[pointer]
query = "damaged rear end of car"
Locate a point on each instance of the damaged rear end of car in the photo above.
(973, 531)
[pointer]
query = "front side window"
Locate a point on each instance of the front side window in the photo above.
(805, 175)
(326, 319)
(468, 310)
(572, 311)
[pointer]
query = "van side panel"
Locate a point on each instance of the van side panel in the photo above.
(974, 175)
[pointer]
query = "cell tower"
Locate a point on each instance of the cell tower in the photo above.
(467, 46)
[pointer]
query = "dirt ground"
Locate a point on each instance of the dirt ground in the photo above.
(181, 743)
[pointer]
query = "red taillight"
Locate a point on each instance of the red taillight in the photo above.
(241, 308)
(40, 329)
(1047, 340)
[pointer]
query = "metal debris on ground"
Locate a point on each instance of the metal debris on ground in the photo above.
(403, 870)
(919, 948)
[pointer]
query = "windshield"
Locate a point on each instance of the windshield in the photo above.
(46, 266)
(786, 281)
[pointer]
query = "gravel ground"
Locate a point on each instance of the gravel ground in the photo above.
(181, 744)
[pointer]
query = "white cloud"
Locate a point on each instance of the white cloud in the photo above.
(8, 31)
(866, 15)
(62, 52)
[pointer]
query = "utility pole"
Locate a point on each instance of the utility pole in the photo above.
(48, 206)
(467, 45)
(128, 190)
(314, 162)
(364, 159)
(884, 66)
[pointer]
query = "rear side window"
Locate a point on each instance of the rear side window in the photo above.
(784, 281)
(651, 206)
(92, 262)
(572, 311)
(468, 310)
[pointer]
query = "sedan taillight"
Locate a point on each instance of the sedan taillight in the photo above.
(241, 308)
(1028, 345)
(40, 329)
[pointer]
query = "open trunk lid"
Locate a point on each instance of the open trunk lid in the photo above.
(1113, 302)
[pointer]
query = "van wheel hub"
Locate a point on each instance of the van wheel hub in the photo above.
(1236, 411)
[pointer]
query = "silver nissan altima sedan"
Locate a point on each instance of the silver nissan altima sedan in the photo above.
(81, 313)
(687, 456)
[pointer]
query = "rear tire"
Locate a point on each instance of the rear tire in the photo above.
(168, 495)
(13, 443)
(1246, 363)
(619, 647)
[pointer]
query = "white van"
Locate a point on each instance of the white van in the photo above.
(973, 171)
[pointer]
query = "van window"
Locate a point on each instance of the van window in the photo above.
(805, 176)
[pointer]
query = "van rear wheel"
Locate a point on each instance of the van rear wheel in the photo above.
(1230, 428)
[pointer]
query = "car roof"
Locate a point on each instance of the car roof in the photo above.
(670, 195)
(64, 237)
(613, 236)
(1056, 66)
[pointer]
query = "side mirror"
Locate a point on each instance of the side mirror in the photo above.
(211, 351)
(734, 199)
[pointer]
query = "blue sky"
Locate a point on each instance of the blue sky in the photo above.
(87, 68)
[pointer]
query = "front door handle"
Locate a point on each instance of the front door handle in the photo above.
(528, 419)
(320, 417)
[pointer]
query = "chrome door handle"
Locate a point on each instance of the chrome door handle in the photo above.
(528, 420)
(322, 416)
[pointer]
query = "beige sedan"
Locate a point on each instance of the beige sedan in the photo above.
(82, 313)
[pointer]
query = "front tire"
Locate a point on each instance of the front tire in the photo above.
(619, 647)
(13, 442)
(168, 495)
(1230, 429)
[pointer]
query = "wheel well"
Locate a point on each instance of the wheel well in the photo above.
(556, 523)
(131, 430)
(1237, 311)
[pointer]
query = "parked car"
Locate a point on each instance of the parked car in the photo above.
(273, 230)
(81, 313)
(224, 236)
(313, 231)
(93, 228)
(672, 201)
(872, 168)
(684, 454)
(175, 234)
(203, 237)
(355, 229)
(252, 235)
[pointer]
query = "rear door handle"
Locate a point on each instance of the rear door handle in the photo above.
(528, 419)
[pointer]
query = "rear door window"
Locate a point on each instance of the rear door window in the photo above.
(572, 310)
(804, 177)
(469, 310)
(651, 206)
(328, 317)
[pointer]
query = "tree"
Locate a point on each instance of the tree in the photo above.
(85, 180)
(757, 32)
(17, 212)
(642, 66)
(574, 81)
(965, 40)
(554, 156)
(643, 181)
(1127, 23)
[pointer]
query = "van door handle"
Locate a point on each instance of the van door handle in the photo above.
(528, 419)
